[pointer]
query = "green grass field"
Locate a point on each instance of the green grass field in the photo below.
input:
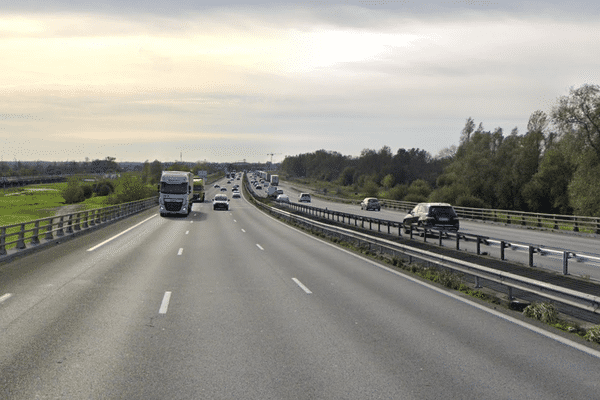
(33, 202)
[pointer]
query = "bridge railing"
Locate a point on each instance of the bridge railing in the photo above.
(32, 233)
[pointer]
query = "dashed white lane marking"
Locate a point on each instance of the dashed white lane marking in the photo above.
(186, 232)
(307, 290)
(116, 236)
(259, 246)
(243, 230)
(191, 222)
(180, 252)
(165, 303)
(5, 297)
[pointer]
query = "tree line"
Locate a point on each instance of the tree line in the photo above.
(554, 167)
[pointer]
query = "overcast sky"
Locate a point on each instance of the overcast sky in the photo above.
(238, 80)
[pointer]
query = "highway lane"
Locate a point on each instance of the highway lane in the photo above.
(584, 244)
(236, 305)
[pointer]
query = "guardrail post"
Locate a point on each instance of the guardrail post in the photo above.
(35, 238)
(565, 263)
(424, 235)
(70, 224)
(49, 235)
(21, 240)
(60, 231)
(2, 241)
(85, 219)
(575, 226)
(555, 223)
(478, 245)
(440, 237)
(510, 293)
(411, 231)
(477, 283)
(531, 251)
(502, 247)
(378, 225)
(77, 225)
(457, 241)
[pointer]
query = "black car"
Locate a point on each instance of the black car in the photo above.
(432, 215)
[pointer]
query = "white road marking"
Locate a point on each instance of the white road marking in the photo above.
(165, 303)
(307, 290)
(259, 246)
(180, 252)
(234, 220)
(116, 236)
(5, 297)
(243, 230)
(191, 222)
(186, 232)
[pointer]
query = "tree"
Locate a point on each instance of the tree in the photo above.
(578, 115)
(73, 192)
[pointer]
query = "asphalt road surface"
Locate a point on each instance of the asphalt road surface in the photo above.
(234, 305)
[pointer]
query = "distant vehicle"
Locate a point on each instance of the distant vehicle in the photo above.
(432, 215)
(274, 191)
(220, 202)
(175, 193)
(223, 189)
(198, 191)
(275, 180)
(216, 186)
(283, 198)
(370, 203)
(258, 187)
(236, 195)
(304, 197)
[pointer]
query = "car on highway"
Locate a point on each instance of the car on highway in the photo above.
(304, 198)
(283, 198)
(432, 215)
(258, 187)
(236, 195)
(370, 203)
(216, 186)
(220, 202)
(223, 189)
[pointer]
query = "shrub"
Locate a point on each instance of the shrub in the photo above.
(593, 334)
(88, 191)
(73, 192)
(470, 201)
(544, 312)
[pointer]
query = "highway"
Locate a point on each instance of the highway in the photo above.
(235, 305)
(561, 241)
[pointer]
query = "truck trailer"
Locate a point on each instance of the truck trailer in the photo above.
(175, 193)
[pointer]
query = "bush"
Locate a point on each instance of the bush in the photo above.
(73, 192)
(88, 191)
(104, 188)
(593, 334)
(470, 201)
(544, 312)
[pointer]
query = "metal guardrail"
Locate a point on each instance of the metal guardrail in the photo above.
(549, 291)
(379, 224)
(32, 233)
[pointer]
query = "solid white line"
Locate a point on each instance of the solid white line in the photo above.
(116, 236)
(5, 297)
(307, 290)
(259, 246)
(165, 303)
(180, 252)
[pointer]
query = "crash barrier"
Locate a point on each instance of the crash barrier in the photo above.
(32, 233)
(381, 225)
(579, 300)
(572, 223)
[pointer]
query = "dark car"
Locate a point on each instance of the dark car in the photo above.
(370, 203)
(432, 215)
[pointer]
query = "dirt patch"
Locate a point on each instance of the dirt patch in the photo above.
(68, 209)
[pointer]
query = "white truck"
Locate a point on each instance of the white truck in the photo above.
(275, 180)
(175, 193)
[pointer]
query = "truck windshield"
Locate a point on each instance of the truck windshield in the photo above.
(173, 188)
